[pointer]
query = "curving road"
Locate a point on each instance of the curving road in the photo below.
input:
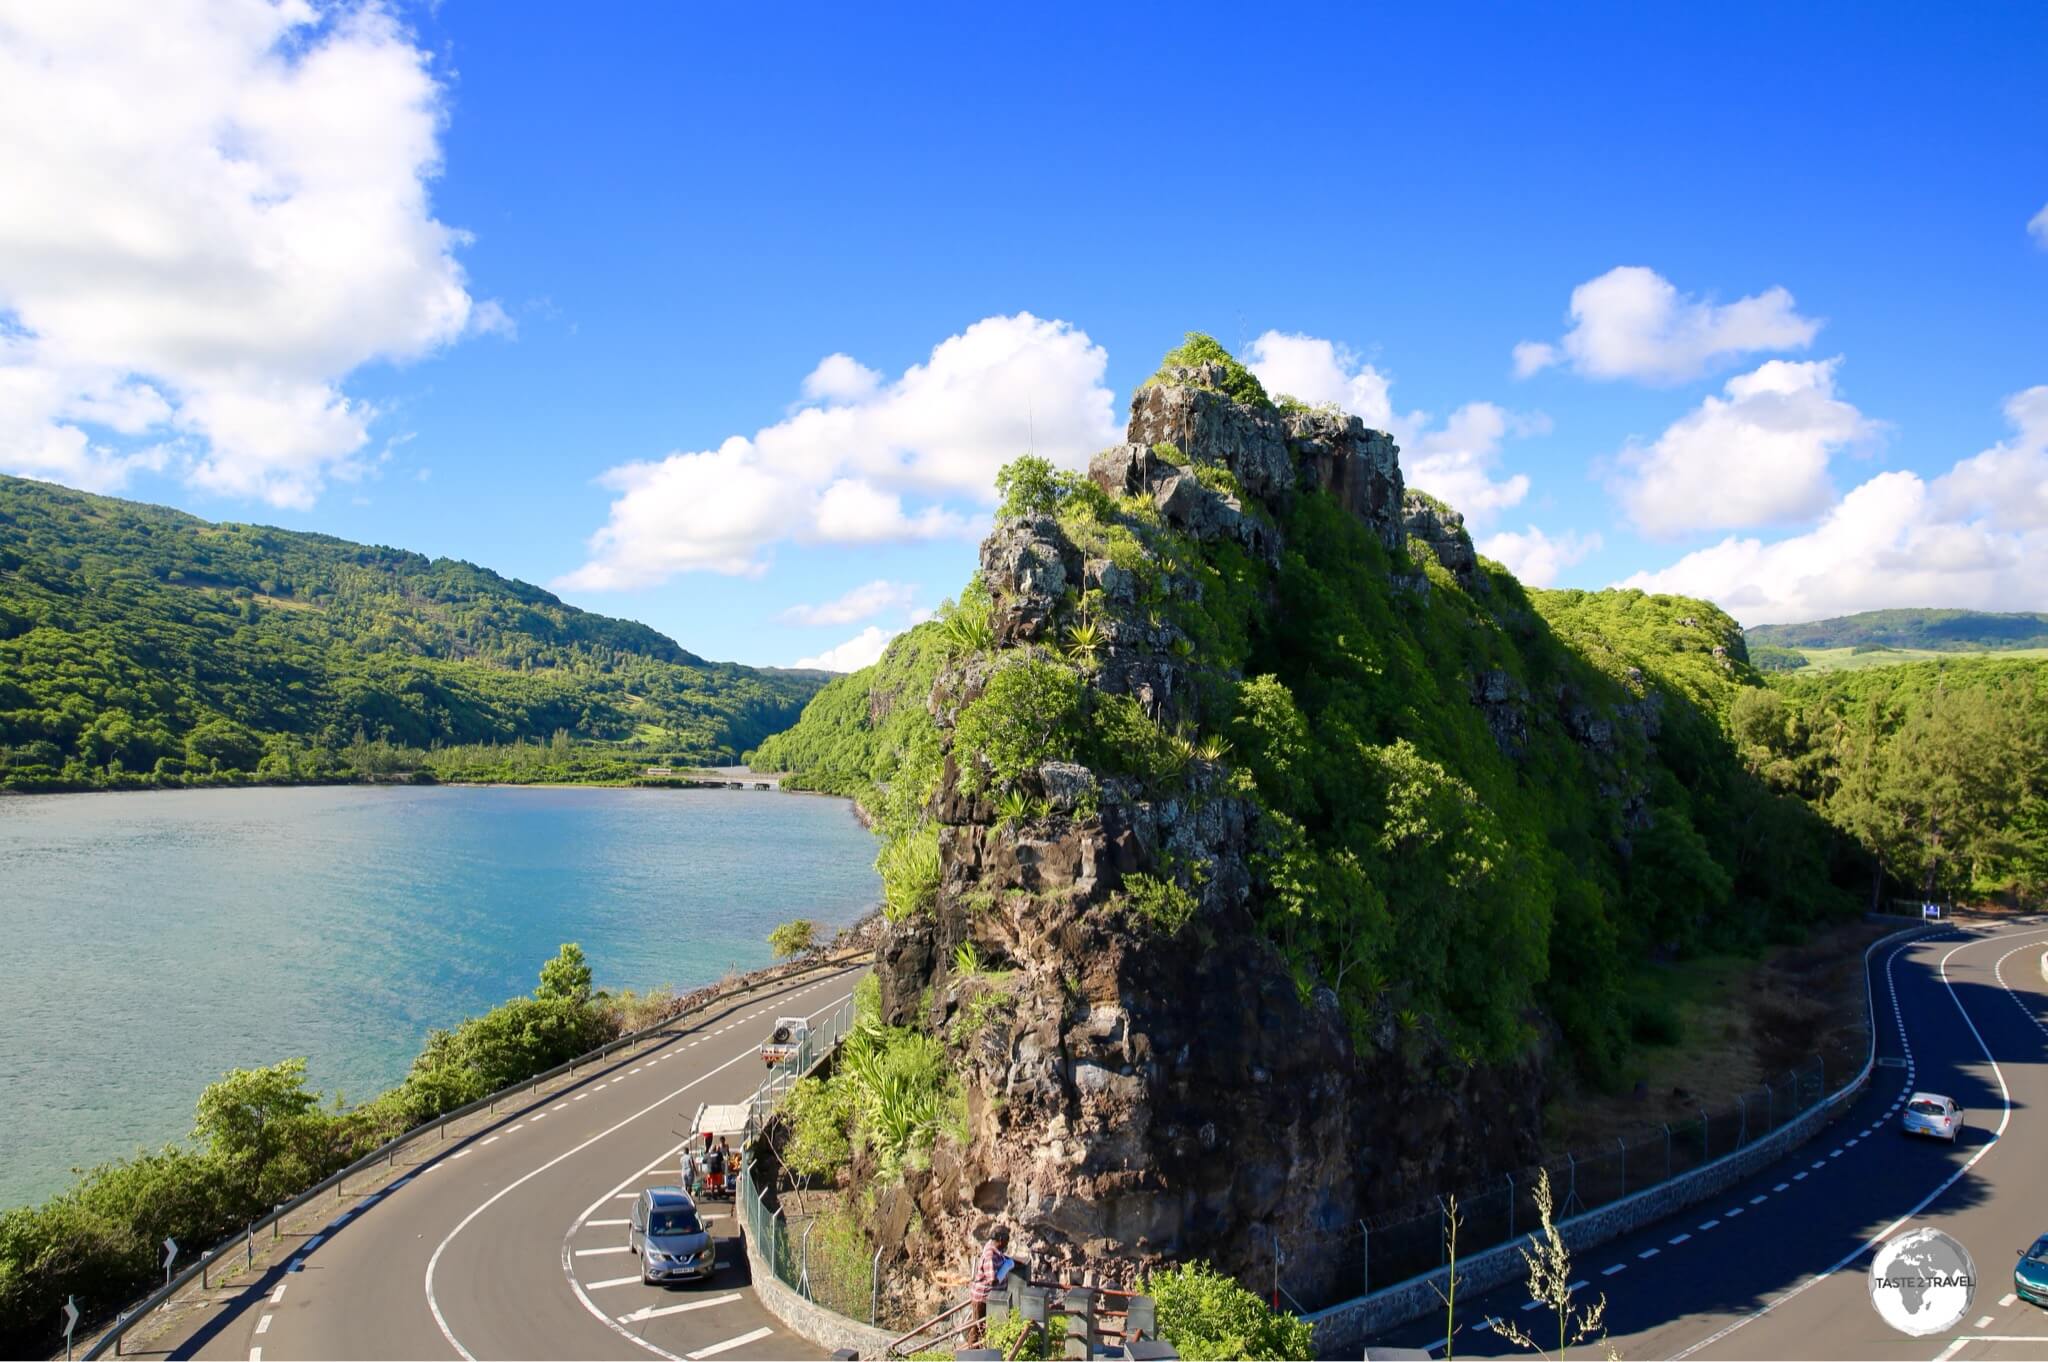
(512, 1243)
(1776, 1267)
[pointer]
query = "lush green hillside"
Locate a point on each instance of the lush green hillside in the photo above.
(1470, 798)
(1935, 631)
(1939, 768)
(141, 643)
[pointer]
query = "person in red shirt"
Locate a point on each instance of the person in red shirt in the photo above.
(988, 1267)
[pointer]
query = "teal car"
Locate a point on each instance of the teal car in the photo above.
(2030, 1274)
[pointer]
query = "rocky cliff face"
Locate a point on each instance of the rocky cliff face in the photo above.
(1138, 1094)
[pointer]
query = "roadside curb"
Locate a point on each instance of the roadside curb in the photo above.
(1343, 1328)
(218, 1280)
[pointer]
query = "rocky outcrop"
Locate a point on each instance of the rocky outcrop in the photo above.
(1436, 527)
(1144, 1094)
(1358, 466)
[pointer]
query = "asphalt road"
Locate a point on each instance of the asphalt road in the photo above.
(512, 1244)
(1777, 1266)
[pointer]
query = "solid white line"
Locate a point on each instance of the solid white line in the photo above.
(612, 1281)
(278, 1294)
(2005, 1117)
(657, 1311)
(263, 1325)
(593, 1253)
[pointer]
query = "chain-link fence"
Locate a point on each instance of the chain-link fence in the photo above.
(1318, 1270)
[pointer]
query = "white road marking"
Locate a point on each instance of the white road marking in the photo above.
(493, 1140)
(657, 1311)
(1983, 1323)
(1800, 1176)
(540, 1116)
(607, 1222)
(1678, 1239)
(579, 1097)
(1532, 1305)
(2004, 1119)
(1426, 1348)
(1709, 1224)
(278, 1294)
(601, 1087)
(1610, 1271)
(732, 1342)
(634, 1070)
(625, 1196)
(1649, 1253)
(596, 1252)
(1759, 1200)
(2007, 1299)
(1731, 1213)
(255, 1355)
(263, 1325)
(463, 1153)
(558, 1106)
(1574, 1286)
(1820, 1163)
(613, 1281)
(516, 1129)
(1781, 1187)
(1851, 1144)
(434, 1261)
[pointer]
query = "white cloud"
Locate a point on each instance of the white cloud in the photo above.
(840, 472)
(1758, 456)
(863, 602)
(1538, 558)
(1975, 538)
(840, 378)
(863, 649)
(1632, 323)
(1455, 462)
(2039, 225)
(210, 220)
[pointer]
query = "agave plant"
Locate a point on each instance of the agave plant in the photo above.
(1213, 748)
(967, 961)
(1182, 647)
(1084, 640)
(1014, 807)
(910, 874)
(968, 627)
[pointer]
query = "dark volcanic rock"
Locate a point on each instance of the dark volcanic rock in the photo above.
(1359, 466)
(1441, 530)
(1204, 424)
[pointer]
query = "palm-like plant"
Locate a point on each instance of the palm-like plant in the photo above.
(967, 960)
(1014, 808)
(1084, 640)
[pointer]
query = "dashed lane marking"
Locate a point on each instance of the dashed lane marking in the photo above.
(1709, 1224)
(1678, 1239)
(540, 1116)
(263, 1325)
(579, 1097)
(1610, 1271)
(516, 1129)
(1532, 1305)
(658, 1311)
(464, 1153)
(1801, 1176)
(1759, 1200)
(255, 1355)
(278, 1294)
(1984, 1323)
(1575, 1286)
(2007, 1299)
(493, 1140)
(1781, 1187)
(1731, 1213)
(558, 1106)
(1649, 1253)
(742, 1341)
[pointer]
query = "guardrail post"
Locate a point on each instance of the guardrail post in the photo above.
(205, 1269)
(249, 1244)
(875, 1289)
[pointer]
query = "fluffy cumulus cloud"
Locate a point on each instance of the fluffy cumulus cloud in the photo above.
(1974, 537)
(1538, 558)
(187, 278)
(1631, 322)
(861, 650)
(862, 603)
(1456, 461)
(862, 459)
(1756, 455)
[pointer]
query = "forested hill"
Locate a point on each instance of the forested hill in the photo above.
(139, 639)
(1941, 631)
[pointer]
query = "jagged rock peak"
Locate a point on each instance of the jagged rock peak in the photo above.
(1442, 530)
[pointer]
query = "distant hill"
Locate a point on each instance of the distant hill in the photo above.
(139, 639)
(1936, 631)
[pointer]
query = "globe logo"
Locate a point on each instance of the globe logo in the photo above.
(1922, 1282)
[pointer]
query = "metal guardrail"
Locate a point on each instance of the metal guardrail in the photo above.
(209, 1258)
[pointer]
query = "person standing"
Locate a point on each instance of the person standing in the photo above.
(990, 1266)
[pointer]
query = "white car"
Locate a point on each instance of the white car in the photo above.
(1933, 1115)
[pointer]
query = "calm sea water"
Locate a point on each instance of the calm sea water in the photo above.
(155, 940)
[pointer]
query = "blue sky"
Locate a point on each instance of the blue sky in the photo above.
(554, 290)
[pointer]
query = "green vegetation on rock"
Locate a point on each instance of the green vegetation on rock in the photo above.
(1239, 383)
(1205, 1314)
(142, 646)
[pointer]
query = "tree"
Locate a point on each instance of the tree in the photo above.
(793, 938)
(566, 977)
(267, 1129)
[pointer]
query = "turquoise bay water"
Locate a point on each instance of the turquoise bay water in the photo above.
(155, 940)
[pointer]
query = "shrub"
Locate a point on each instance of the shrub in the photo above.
(910, 874)
(1160, 902)
(1239, 383)
(1206, 1315)
(1029, 713)
(567, 976)
(821, 1115)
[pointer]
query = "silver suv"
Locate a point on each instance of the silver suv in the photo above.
(671, 1241)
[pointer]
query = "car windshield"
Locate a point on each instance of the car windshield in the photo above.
(666, 1223)
(1926, 1108)
(2039, 1252)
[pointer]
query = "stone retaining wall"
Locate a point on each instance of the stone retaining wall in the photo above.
(1343, 1329)
(808, 1319)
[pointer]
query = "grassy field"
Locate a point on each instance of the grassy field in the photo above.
(1849, 660)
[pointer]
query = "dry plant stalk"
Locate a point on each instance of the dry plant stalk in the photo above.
(1550, 1284)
